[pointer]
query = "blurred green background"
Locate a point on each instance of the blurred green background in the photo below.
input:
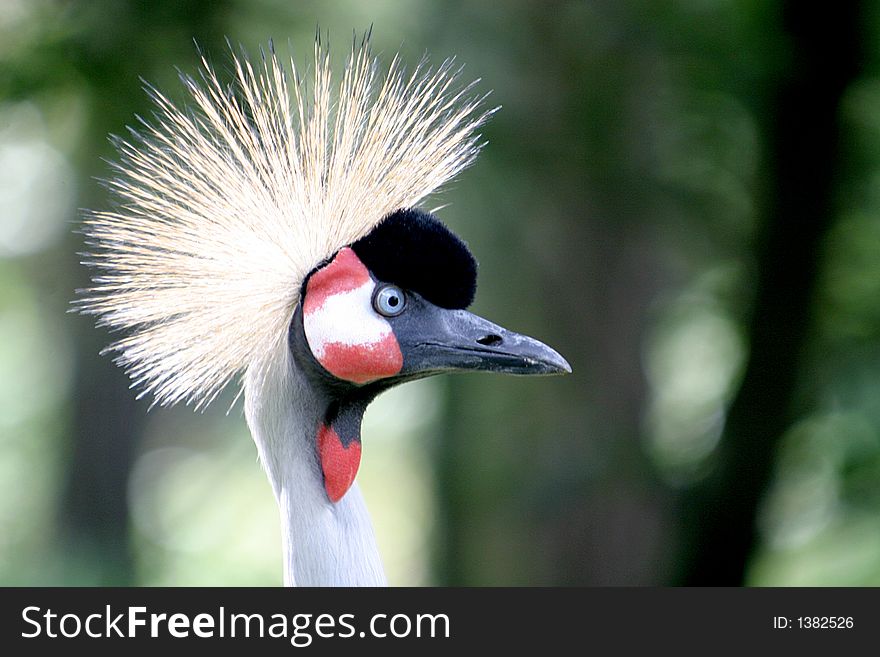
(683, 198)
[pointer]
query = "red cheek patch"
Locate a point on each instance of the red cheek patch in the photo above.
(345, 273)
(339, 463)
(362, 363)
(345, 334)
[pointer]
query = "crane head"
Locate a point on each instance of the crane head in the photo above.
(390, 308)
(266, 231)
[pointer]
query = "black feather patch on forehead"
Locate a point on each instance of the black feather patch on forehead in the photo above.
(416, 251)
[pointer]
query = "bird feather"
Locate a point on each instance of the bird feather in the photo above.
(225, 204)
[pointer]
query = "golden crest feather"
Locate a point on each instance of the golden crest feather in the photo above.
(225, 205)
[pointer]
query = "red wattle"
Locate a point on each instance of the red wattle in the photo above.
(339, 463)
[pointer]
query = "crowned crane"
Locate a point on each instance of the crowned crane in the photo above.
(272, 232)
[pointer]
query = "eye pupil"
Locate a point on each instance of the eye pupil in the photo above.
(389, 300)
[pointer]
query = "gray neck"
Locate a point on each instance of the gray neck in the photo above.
(324, 543)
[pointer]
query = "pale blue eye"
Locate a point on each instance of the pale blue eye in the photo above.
(389, 300)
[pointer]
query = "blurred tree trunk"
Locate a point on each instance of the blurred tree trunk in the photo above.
(803, 145)
(545, 481)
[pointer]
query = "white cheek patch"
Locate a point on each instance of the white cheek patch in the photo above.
(346, 319)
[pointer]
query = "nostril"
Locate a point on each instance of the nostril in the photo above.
(490, 340)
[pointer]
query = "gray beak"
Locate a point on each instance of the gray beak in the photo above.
(449, 340)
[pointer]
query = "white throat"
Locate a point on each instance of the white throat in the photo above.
(324, 543)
